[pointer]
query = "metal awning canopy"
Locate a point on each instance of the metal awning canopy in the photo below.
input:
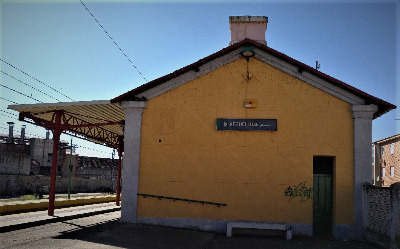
(97, 121)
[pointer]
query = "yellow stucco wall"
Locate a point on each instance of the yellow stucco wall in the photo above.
(182, 155)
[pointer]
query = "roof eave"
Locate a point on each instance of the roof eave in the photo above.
(387, 139)
(130, 95)
(383, 106)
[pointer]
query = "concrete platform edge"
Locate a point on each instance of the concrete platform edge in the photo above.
(29, 206)
(54, 219)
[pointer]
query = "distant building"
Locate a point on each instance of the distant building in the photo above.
(97, 168)
(41, 152)
(387, 161)
(14, 159)
(22, 155)
(14, 152)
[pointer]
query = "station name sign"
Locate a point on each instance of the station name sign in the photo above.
(228, 124)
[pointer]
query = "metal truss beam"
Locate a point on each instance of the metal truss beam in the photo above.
(92, 131)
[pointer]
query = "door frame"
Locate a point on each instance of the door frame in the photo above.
(324, 166)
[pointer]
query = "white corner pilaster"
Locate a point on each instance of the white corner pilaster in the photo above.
(362, 115)
(130, 172)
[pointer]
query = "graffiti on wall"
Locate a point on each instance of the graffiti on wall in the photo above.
(300, 190)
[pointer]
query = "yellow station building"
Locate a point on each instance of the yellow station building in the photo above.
(245, 134)
(248, 134)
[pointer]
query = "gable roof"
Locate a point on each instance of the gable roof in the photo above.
(387, 139)
(383, 106)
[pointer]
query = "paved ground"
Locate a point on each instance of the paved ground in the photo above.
(32, 219)
(116, 234)
(98, 226)
(17, 214)
(106, 231)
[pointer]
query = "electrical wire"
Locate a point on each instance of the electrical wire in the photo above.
(35, 135)
(102, 152)
(28, 133)
(9, 100)
(7, 116)
(113, 41)
(35, 79)
(26, 84)
(98, 152)
(69, 133)
(9, 88)
(9, 113)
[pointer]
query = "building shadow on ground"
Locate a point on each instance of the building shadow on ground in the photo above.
(113, 233)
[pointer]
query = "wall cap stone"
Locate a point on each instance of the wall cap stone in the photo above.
(133, 104)
(363, 111)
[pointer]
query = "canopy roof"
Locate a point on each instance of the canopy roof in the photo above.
(97, 121)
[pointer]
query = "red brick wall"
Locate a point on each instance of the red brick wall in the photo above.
(389, 160)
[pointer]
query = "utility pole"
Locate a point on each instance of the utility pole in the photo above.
(112, 171)
(69, 171)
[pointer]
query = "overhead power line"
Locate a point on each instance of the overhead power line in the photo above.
(27, 133)
(9, 88)
(94, 151)
(35, 79)
(9, 100)
(99, 152)
(6, 116)
(26, 84)
(9, 113)
(113, 41)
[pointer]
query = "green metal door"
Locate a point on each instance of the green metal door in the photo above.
(322, 205)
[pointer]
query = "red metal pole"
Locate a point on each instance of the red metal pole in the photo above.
(119, 176)
(56, 140)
